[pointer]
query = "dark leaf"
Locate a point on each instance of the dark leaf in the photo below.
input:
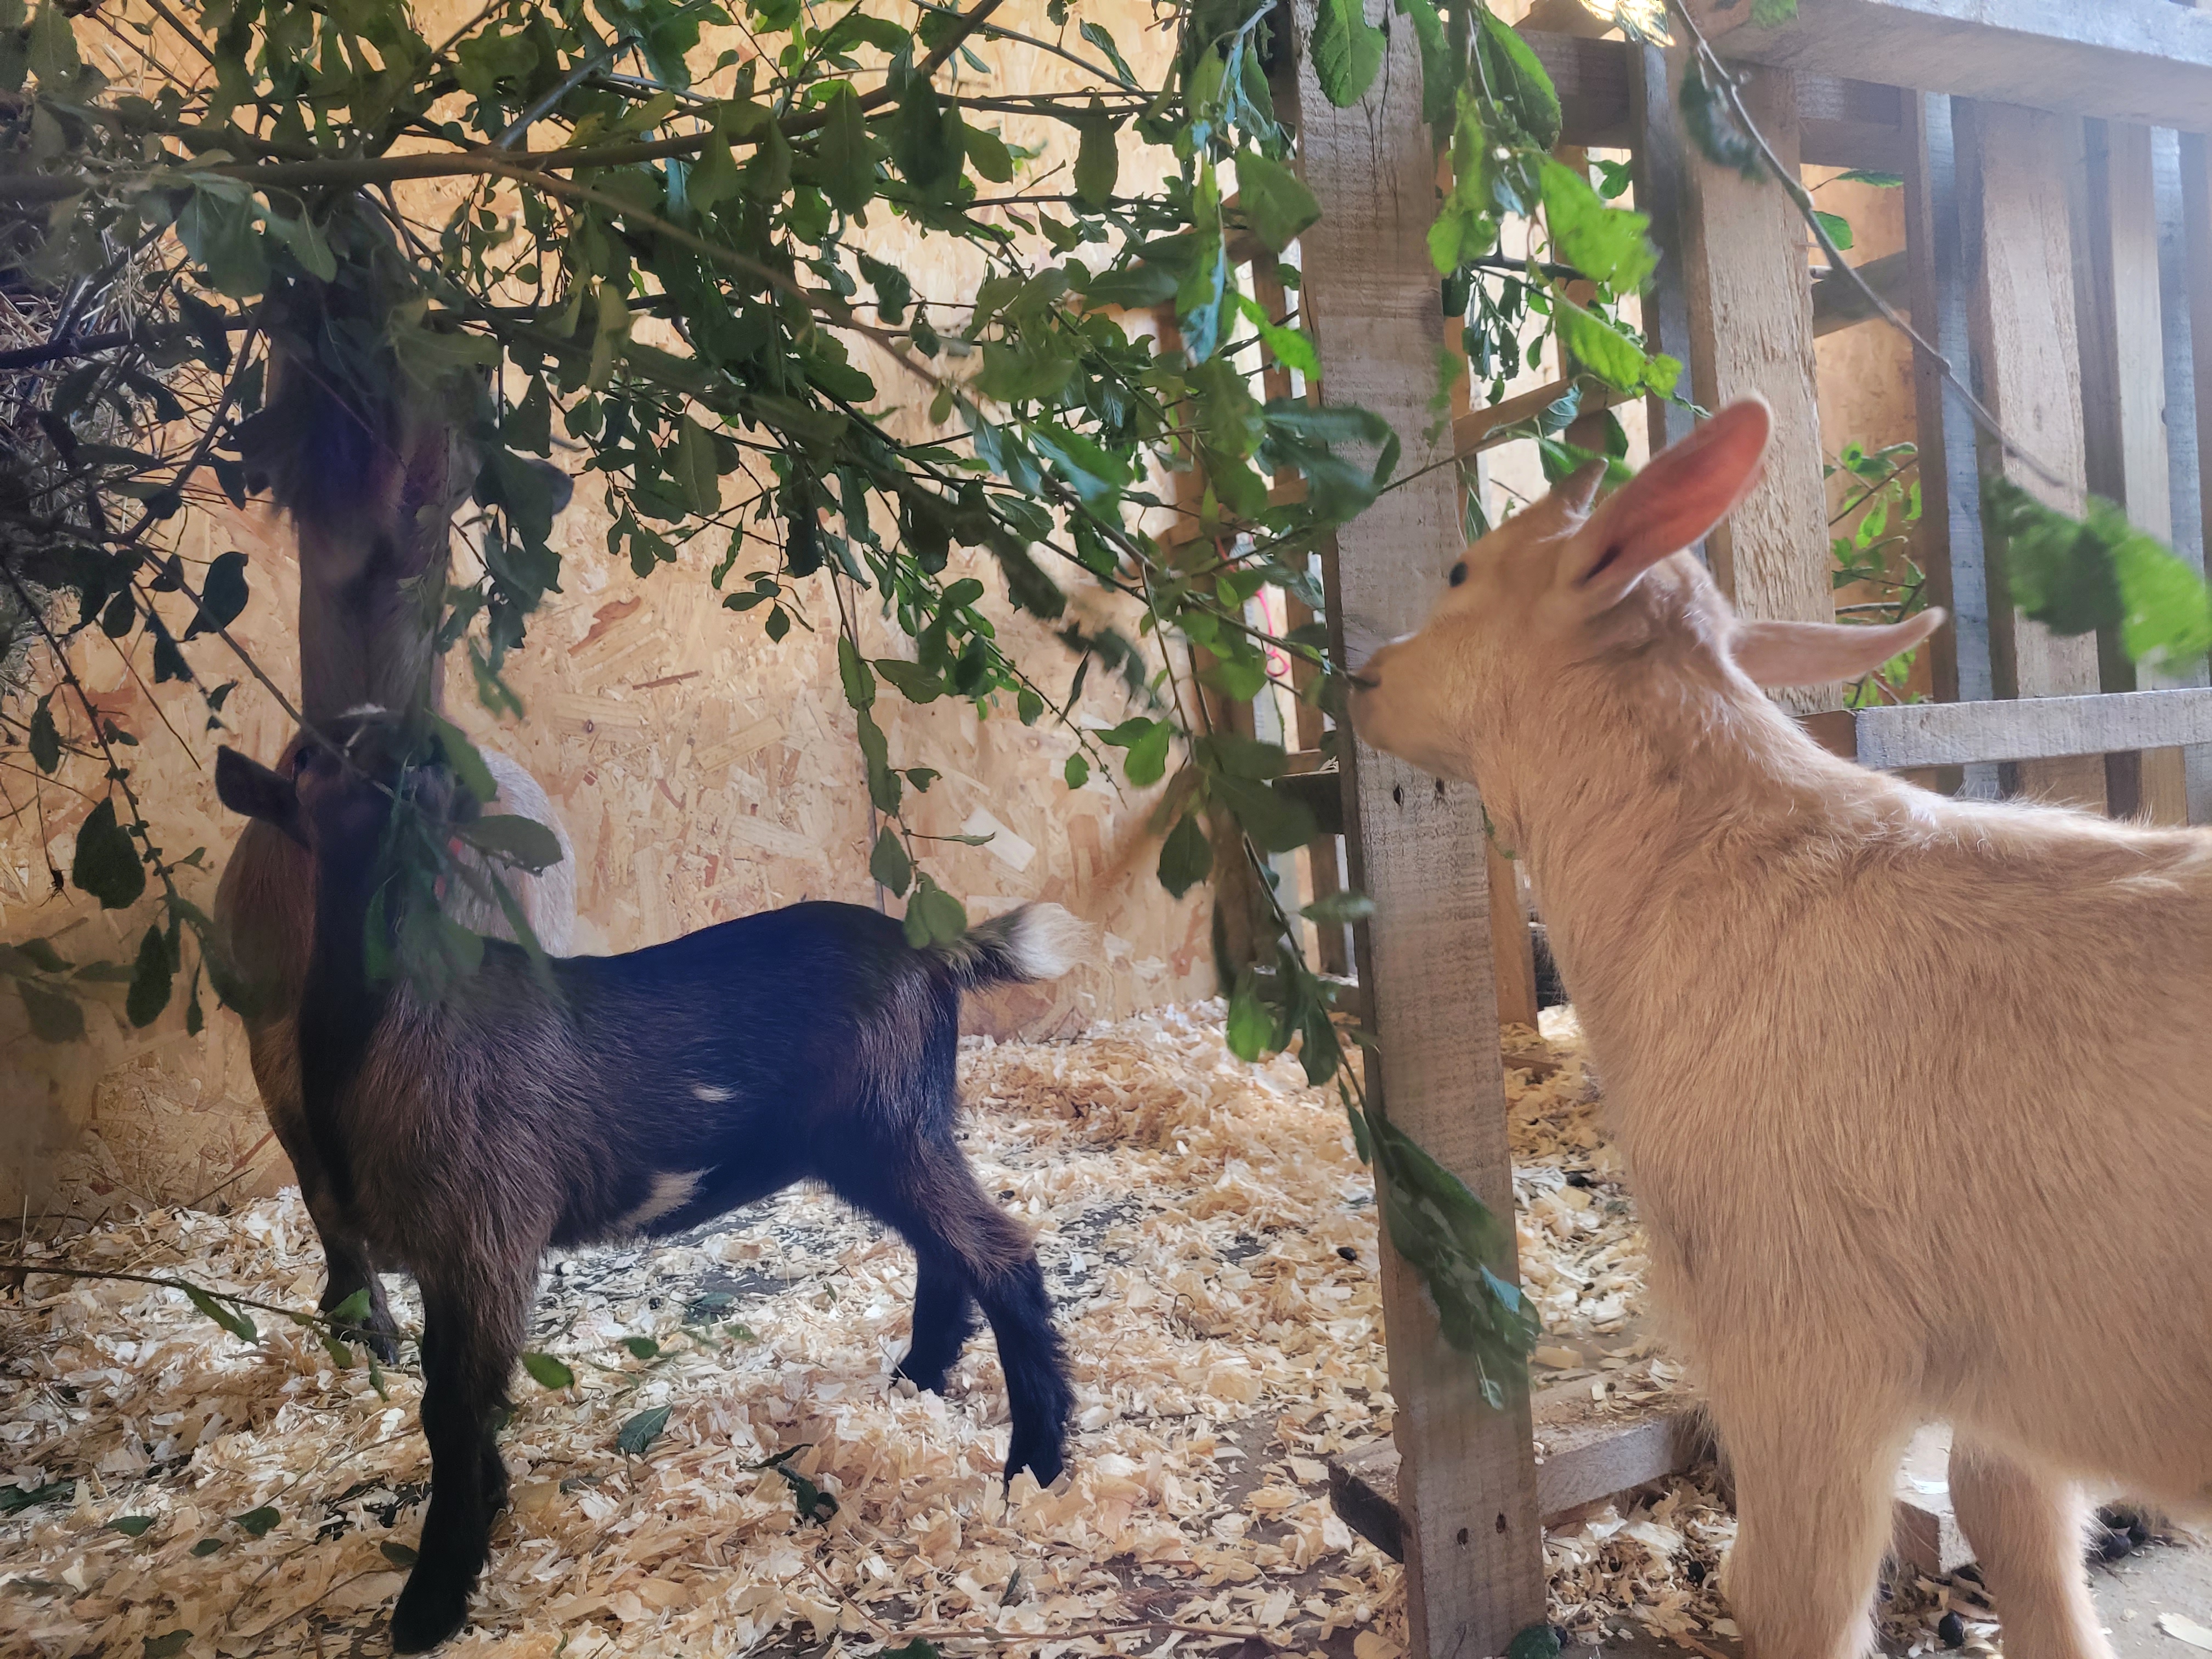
(259, 1523)
(514, 840)
(642, 1430)
(1276, 203)
(222, 595)
(1251, 1029)
(132, 1526)
(149, 980)
(889, 863)
(106, 865)
(46, 739)
(168, 1644)
(1187, 855)
(236, 1321)
(398, 1554)
(1097, 158)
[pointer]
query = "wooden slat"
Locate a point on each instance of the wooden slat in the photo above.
(2031, 728)
(1848, 122)
(1474, 1547)
(2124, 404)
(2012, 167)
(2144, 61)
(1950, 529)
(1751, 330)
(1662, 192)
(2191, 264)
(1838, 303)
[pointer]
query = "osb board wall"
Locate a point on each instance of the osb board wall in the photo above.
(702, 772)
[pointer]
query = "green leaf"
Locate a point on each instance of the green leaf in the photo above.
(927, 140)
(1772, 14)
(1251, 1031)
(1599, 347)
(859, 682)
(236, 1321)
(933, 917)
(847, 154)
(1347, 51)
(205, 1547)
(1837, 227)
(696, 470)
(398, 1554)
(641, 1347)
(1098, 157)
(1097, 35)
(549, 1372)
(1340, 909)
(642, 1430)
(714, 177)
(132, 1526)
(53, 57)
(988, 155)
(1607, 244)
(168, 1644)
(1275, 822)
(513, 840)
(1869, 176)
(468, 766)
(54, 1017)
(149, 980)
(1276, 203)
(46, 737)
(1537, 1642)
(1518, 81)
(106, 865)
(889, 863)
(260, 1522)
(1077, 771)
(1136, 287)
(1186, 857)
(1447, 1234)
(222, 595)
(2076, 575)
(1146, 740)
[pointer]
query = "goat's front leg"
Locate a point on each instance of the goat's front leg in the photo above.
(1814, 1480)
(469, 1345)
(348, 1265)
(2027, 1529)
(944, 1320)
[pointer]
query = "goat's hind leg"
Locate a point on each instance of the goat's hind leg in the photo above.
(2027, 1529)
(943, 1319)
(927, 1191)
(470, 1338)
(1813, 1491)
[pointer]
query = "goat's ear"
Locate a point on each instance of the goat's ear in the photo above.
(1777, 653)
(1683, 492)
(248, 787)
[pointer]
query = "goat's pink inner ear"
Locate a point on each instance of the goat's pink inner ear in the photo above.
(1683, 492)
(1777, 653)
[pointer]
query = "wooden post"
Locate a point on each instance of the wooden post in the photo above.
(1475, 1551)
(1662, 183)
(2123, 405)
(2191, 288)
(1751, 330)
(2013, 164)
(1951, 550)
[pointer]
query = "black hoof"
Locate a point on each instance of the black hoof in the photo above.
(433, 1606)
(1045, 1462)
(929, 1382)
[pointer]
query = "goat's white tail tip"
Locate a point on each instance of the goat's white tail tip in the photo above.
(1046, 940)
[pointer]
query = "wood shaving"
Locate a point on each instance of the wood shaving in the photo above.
(1209, 1237)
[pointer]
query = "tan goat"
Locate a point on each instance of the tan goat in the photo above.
(372, 497)
(1916, 1093)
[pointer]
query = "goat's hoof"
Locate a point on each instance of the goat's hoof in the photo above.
(1045, 1462)
(433, 1606)
(925, 1381)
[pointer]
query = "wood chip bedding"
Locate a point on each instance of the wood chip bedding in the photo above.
(1209, 1237)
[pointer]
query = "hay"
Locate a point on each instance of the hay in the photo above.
(1209, 1238)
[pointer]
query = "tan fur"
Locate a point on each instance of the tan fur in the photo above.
(1916, 1093)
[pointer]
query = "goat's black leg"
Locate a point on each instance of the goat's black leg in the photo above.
(943, 1319)
(927, 1192)
(469, 1345)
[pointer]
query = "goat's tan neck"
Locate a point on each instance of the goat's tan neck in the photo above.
(1667, 796)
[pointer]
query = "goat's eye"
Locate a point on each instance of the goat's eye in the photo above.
(1458, 574)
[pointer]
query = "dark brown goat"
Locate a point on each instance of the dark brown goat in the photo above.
(370, 469)
(643, 1093)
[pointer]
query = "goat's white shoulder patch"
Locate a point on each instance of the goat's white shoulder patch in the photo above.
(711, 1094)
(671, 1190)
